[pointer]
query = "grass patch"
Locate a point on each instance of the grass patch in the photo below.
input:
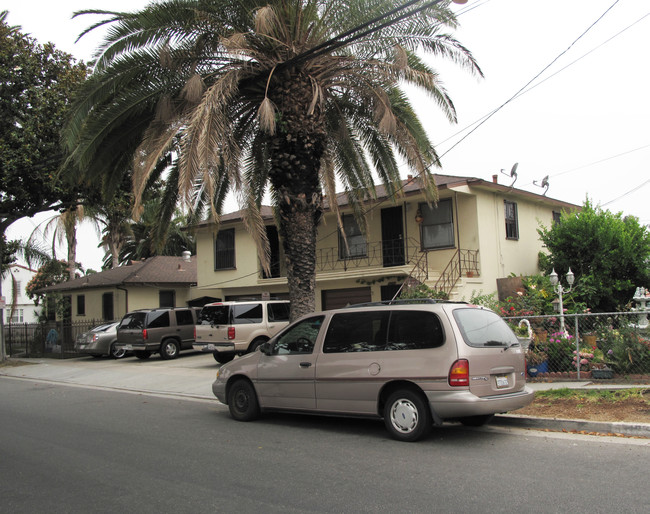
(13, 363)
(595, 395)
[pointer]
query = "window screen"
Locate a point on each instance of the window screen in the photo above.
(356, 240)
(437, 226)
(512, 223)
(224, 250)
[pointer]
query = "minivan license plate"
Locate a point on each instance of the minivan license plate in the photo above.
(502, 381)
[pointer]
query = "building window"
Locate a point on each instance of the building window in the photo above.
(512, 225)
(437, 227)
(556, 217)
(81, 305)
(107, 306)
(356, 240)
(17, 317)
(224, 250)
(166, 298)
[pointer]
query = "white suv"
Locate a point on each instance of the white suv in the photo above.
(227, 329)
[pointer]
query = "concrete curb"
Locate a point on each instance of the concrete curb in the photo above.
(573, 425)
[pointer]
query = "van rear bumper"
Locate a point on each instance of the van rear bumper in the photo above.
(214, 347)
(458, 404)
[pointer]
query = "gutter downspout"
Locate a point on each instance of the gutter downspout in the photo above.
(126, 297)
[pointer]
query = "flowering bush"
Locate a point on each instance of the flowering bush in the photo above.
(560, 350)
(588, 359)
(625, 348)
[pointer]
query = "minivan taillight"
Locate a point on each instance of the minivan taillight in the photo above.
(459, 373)
(144, 334)
(231, 332)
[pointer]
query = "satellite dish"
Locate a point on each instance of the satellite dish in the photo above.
(512, 174)
(544, 184)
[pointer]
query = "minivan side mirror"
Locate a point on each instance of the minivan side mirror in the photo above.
(266, 348)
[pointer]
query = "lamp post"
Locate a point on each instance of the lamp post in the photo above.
(557, 286)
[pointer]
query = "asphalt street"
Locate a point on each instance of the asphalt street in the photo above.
(85, 449)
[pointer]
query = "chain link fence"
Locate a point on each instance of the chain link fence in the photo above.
(586, 346)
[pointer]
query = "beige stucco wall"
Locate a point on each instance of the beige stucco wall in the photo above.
(479, 224)
(139, 297)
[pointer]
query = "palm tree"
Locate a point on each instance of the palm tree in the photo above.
(147, 239)
(257, 99)
(63, 226)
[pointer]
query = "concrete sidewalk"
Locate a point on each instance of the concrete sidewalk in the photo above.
(192, 374)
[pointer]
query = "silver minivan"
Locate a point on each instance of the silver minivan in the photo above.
(412, 363)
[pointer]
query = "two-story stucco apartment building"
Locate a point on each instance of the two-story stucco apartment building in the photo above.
(478, 232)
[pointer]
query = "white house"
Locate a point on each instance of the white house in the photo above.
(19, 308)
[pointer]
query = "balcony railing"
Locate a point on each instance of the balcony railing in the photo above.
(386, 254)
(368, 255)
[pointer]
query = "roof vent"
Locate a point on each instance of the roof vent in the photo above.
(186, 255)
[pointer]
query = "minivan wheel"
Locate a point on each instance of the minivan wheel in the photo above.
(169, 349)
(142, 354)
(476, 421)
(222, 358)
(117, 353)
(407, 416)
(242, 401)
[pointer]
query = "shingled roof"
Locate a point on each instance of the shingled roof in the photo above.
(410, 186)
(160, 270)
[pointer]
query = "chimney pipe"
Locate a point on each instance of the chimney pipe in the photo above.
(494, 179)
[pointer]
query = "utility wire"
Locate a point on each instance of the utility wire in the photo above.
(519, 92)
(547, 78)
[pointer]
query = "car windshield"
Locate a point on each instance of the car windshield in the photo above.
(482, 328)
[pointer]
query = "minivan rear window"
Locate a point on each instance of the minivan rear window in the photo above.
(481, 328)
(375, 331)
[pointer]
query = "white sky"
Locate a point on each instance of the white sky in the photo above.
(586, 126)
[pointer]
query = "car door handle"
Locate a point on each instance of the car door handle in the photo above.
(305, 364)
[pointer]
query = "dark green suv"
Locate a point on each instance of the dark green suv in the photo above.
(165, 330)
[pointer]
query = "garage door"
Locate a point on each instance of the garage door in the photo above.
(337, 298)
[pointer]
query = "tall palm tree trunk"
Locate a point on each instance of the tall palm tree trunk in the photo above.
(296, 150)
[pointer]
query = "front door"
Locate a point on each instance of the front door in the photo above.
(392, 236)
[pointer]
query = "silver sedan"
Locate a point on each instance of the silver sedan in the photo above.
(100, 341)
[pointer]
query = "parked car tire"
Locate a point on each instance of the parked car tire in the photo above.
(476, 421)
(117, 353)
(407, 416)
(222, 358)
(142, 354)
(242, 401)
(256, 344)
(169, 349)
